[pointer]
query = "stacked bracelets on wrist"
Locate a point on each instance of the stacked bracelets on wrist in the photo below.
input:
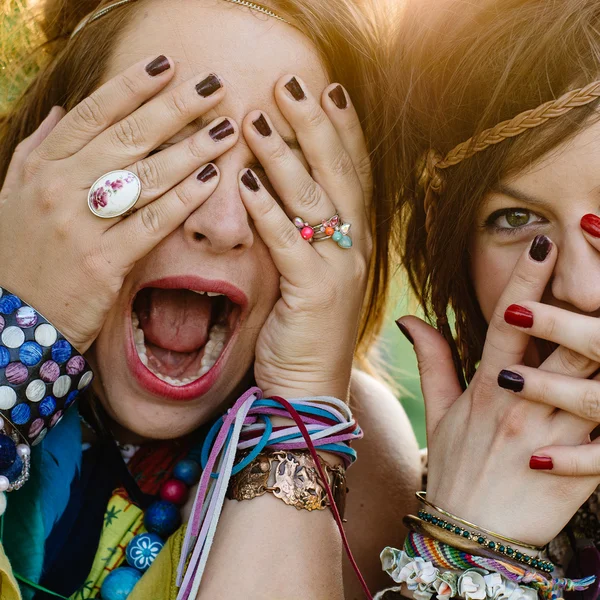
(441, 557)
(41, 375)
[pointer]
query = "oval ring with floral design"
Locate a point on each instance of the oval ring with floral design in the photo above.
(114, 194)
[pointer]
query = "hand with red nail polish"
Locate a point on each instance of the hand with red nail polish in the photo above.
(492, 447)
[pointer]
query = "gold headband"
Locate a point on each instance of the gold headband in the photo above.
(430, 166)
(106, 9)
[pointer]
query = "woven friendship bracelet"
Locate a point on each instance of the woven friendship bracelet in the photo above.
(41, 374)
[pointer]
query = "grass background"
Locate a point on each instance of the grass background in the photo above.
(19, 34)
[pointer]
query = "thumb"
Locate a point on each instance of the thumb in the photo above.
(29, 144)
(439, 381)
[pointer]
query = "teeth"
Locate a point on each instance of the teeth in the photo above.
(211, 294)
(212, 350)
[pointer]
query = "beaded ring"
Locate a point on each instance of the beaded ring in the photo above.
(41, 374)
(543, 565)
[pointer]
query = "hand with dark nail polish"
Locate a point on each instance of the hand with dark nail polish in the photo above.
(262, 126)
(208, 173)
(208, 86)
(338, 96)
(222, 130)
(159, 65)
(509, 380)
(540, 248)
(249, 181)
(295, 89)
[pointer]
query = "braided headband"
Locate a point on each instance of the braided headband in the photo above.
(430, 166)
(106, 9)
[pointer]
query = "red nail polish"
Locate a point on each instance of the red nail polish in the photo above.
(541, 463)
(519, 316)
(591, 224)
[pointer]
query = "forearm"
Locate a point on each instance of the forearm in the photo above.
(266, 550)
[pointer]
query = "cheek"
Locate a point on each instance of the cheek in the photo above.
(491, 268)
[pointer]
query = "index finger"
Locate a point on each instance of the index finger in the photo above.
(505, 345)
(110, 103)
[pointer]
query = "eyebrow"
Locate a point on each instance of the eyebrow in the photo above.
(290, 141)
(507, 190)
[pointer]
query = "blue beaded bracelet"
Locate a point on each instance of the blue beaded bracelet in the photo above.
(41, 374)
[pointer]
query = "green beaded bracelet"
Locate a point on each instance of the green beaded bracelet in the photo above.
(542, 565)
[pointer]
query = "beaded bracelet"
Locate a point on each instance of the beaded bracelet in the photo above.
(543, 565)
(41, 375)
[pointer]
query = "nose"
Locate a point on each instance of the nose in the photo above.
(576, 279)
(221, 223)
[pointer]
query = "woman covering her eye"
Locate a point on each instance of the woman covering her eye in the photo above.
(498, 158)
(189, 265)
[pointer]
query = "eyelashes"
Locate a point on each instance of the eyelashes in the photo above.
(511, 220)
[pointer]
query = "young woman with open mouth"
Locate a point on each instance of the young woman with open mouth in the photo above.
(501, 139)
(223, 119)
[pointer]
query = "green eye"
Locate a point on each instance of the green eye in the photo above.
(517, 217)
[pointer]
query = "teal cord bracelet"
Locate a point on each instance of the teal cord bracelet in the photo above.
(543, 565)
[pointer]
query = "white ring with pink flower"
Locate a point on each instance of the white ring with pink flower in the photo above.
(114, 194)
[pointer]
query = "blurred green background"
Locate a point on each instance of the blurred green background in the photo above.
(18, 33)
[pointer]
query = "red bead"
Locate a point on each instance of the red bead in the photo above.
(307, 233)
(174, 491)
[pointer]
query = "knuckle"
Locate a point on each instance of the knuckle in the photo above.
(129, 85)
(571, 361)
(32, 166)
(279, 154)
(89, 113)
(49, 196)
(548, 327)
(309, 195)
(286, 236)
(150, 218)
(590, 404)
(512, 421)
(178, 105)
(315, 117)
(148, 173)
(364, 168)
(184, 195)
(342, 165)
(195, 149)
(127, 133)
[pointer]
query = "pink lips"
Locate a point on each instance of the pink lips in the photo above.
(145, 377)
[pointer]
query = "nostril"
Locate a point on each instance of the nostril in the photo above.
(199, 237)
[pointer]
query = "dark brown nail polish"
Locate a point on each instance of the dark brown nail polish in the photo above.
(540, 248)
(294, 88)
(249, 181)
(338, 96)
(208, 86)
(208, 173)
(222, 130)
(509, 380)
(262, 126)
(159, 65)
(404, 329)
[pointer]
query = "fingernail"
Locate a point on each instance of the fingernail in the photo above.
(208, 86)
(541, 463)
(159, 65)
(540, 248)
(294, 88)
(509, 380)
(405, 332)
(519, 316)
(221, 131)
(249, 181)
(208, 173)
(338, 96)
(591, 224)
(262, 126)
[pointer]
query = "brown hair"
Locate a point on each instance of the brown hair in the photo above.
(343, 31)
(461, 68)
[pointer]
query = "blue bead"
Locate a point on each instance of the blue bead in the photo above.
(143, 549)
(47, 406)
(30, 354)
(8, 304)
(345, 242)
(4, 357)
(14, 471)
(71, 398)
(61, 351)
(188, 471)
(162, 518)
(8, 452)
(337, 236)
(119, 583)
(20, 414)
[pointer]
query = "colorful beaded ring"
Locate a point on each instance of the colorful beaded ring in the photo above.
(328, 229)
(41, 374)
(542, 565)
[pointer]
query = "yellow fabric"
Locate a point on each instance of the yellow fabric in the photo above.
(9, 589)
(122, 521)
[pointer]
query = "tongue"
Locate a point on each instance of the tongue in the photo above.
(176, 320)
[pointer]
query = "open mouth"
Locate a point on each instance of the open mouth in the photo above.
(180, 334)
